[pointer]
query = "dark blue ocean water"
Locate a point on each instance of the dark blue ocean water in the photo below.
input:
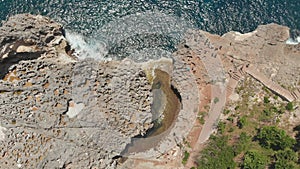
(215, 16)
(115, 21)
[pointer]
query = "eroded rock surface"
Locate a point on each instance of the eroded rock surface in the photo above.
(114, 105)
(266, 49)
(56, 112)
(59, 112)
(27, 37)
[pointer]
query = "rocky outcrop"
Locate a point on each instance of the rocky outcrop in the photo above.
(60, 112)
(27, 37)
(266, 49)
(56, 112)
(112, 102)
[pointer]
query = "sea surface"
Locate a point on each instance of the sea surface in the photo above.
(148, 29)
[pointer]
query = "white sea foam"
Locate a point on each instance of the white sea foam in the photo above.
(84, 48)
(113, 40)
(291, 41)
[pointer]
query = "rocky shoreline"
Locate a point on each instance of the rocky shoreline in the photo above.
(60, 112)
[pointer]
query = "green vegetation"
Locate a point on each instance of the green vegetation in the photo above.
(289, 106)
(186, 157)
(231, 129)
(201, 117)
(221, 127)
(266, 100)
(201, 120)
(297, 137)
(218, 154)
(230, 119)
(254, 160)
(251, 138)
(274, 138)
(216, 100)
(243, 143)
(286, 159)
(242, 122)
(226, 112)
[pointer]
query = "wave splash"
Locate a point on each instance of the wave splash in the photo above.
(87, 47)
(140, 37)
(292, 41)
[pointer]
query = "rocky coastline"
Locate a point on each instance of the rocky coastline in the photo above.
(57, 111)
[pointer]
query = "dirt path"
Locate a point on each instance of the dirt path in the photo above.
(195, 132)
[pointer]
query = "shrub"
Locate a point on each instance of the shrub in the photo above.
(237, 107)
(267, 112)
(289, 106)
(266, 115)
(242, 122)
(216, 100)
(254, 160)
(201, 120)
(221, 127)
(266, 100)
(286, 159)
(230, 119)
(297, 137)
(201, 117)
(243, 144)
(274, 138)
(226, 111)
(218, 154)
(186, 157)
(231, 129)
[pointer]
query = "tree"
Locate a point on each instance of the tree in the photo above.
(274, 138)
(286, 159)
(289, 106)
(218, 154)
(297, 145)
(254, 160)
(286, 154)
(285, 165)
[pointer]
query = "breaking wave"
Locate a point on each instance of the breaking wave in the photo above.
(86, 47)
(292, 41)
(127, 28)
(141, 36)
